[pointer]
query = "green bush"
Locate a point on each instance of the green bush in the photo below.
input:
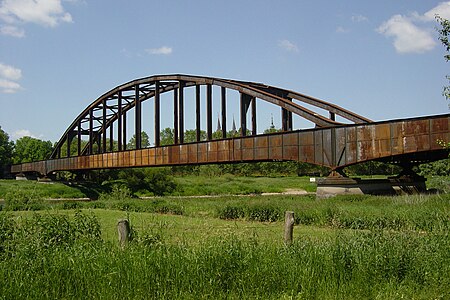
(71, 205)
(263, 213)
(440, 184)
(95, 204)
(172, 209)
(230, 212)
(147, 181)
(23, 200)
(260, 213)
(118, 193)
(138, 205)
(437, 168)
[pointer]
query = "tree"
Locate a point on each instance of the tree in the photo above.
(6, 148)
(166, 136)
(271, 129)
(145, 141)
(190, 135)
(444, 33)
(28, 149)
(216, 135)
(157, 181)
(74, 147)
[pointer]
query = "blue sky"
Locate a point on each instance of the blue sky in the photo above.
(381, 59)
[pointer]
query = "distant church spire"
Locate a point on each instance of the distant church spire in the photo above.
(271, 123)
(234, 126)
(219, 127)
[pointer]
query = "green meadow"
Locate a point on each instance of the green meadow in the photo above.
(227, 247)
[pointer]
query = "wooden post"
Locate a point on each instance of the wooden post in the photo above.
(288, 227)
(123, 228)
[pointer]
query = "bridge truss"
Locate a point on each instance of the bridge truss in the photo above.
(330, 143)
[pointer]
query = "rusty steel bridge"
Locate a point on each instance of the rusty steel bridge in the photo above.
(99, 133)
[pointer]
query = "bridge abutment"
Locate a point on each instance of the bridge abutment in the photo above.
(401, 185)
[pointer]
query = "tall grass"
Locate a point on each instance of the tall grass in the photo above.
(371, 265)
(420, 213)
(235, 185)
(430, 213)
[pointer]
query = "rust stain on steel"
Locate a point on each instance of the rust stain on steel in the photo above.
(400, 140)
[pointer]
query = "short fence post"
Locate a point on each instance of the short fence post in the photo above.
(123, 227)
(288, 227)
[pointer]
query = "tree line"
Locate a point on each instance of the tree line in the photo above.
(25, 149)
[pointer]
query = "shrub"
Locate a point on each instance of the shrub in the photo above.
(263, 213)
(118, 193)
(260, 213)
(71, 205)
(168, 209)
(95, 204)
(147, 180)
(231, 212)
(23, 200)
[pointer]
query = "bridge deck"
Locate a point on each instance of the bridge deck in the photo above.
(406, 140)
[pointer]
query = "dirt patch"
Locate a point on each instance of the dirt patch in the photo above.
(288, 192)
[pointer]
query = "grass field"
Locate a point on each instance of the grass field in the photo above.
(229, 184)
(222, 246)
(186, 186)
(229, 247)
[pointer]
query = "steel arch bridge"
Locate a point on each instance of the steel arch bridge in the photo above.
(330, 143)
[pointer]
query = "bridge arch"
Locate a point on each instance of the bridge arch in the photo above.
(106, 116)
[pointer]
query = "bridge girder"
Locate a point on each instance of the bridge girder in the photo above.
(405, 142)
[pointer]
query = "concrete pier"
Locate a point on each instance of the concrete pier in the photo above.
(339, 185)
(21, 176)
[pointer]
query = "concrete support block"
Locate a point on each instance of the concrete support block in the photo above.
(21, 176)
(332, 186)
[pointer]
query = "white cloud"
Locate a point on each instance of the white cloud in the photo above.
(12, 31)
(48, 13)
(8, 77)
(408, 38)
(9, 72)
(164, 50)
(43, 12)
(443, 10)
(359, 18)
(414, 33)
(8, 86)
(23, 132)
(341, 29)
(288, 46)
